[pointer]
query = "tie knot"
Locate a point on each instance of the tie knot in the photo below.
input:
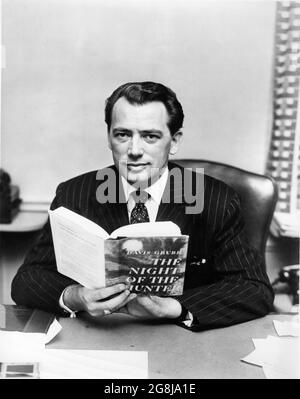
(140, 196)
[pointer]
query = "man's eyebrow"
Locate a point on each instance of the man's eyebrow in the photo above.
(151, 131)
(121, 129)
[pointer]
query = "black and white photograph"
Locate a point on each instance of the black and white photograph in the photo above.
(149, 193)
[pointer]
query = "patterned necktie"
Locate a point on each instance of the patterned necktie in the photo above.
(139, 213)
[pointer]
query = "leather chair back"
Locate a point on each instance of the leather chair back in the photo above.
(258, 194)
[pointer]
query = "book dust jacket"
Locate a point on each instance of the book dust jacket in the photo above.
(154, 265)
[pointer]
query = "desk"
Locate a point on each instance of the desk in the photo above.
(173, 352)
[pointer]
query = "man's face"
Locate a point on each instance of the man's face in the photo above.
(140, 140)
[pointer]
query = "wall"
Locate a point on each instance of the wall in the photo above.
(64, 57)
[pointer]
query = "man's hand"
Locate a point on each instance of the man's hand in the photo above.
(152, 307)
(97, 302)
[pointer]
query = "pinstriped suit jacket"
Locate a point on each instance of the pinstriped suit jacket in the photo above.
(230, 287)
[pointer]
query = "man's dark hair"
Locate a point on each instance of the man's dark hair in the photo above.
(145, 92)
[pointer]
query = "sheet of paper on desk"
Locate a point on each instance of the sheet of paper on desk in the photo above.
(287, 328)
(18, 347)
(273, 374)
(93, 364)
(277, 356)
(52, 332)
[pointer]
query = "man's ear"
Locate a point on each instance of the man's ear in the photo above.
(175, 143)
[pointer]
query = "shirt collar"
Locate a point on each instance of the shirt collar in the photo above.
(156, 190)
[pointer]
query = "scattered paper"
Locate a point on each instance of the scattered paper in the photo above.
(287, 328)
(277, 356)
(273, 374)
(18, 347)
(93, 364)
(53, 330)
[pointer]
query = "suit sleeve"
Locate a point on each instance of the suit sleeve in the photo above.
(241, 290)
(37, 283)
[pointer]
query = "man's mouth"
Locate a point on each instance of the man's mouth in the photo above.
(136, 165)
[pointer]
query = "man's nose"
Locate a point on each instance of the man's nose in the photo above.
(135, 148)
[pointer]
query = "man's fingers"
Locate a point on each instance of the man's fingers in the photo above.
(146, 301)
(105, 292)
(118, 301)
(123, 310)
(151, 304)
(120, 308)
(128, 299)
(100, 308)
(123, 307)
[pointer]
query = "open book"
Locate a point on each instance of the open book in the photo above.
(150, 256)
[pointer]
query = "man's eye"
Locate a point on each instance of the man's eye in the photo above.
(151, 138)
(122, 135)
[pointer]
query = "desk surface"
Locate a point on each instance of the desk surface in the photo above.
(173, 352)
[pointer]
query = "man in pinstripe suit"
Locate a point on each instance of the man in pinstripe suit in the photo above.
(226, 281)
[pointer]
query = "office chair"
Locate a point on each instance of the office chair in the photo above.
(258, 194)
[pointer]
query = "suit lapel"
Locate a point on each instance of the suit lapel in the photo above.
(174, 213)
(173, 204)
(112, 215)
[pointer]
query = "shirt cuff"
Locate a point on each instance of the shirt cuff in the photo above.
(188, 322)
(70, 312)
